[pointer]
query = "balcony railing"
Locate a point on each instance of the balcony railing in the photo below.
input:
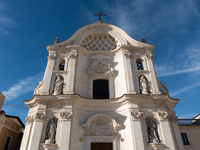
(188, 122)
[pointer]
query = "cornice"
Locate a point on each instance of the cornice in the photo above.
(126, 98)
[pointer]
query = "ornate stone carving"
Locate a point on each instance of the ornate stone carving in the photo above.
(100, 67)
(65, 115)
(58, 86)
(163, 115)
(40, 116)
(72, 54)
(127, 54)
(51, 131)
(163, 88)
(38, 89)
(152, 131)
(29, 119)
(99, 41)
(56, 41)
(101, 127)
(144, 85)
(136, 115)
(149, 55)
(52, 56)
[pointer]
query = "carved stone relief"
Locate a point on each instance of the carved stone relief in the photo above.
(127, 54)
(29, 119)
(52, 56)
(152, 131)
(101, 127)
(73, 54)
(136, 115)
(40, 116)
(163, 88)
(65, 115)
(58, 86)
(51, 131)
(38, 89)
(144, 85)
(163, 115)
(100, 67)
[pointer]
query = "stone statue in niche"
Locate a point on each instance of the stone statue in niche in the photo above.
(58, 86)
(143, 85)
(152, 131)
(51, 131)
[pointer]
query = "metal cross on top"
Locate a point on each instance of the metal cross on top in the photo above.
(100, 14)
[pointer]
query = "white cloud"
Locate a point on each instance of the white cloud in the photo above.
(188, 62)
(150, 16)
(6, 22)
(185, 89)
(22, 87)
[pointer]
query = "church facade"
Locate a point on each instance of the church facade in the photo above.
(100, 92)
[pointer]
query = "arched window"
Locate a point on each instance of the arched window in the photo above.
(62, 64)
(100, 89)
(139, 64)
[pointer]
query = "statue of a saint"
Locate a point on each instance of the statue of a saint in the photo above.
(152, 131)
(51, 131)
(143, 85)
(58, 86)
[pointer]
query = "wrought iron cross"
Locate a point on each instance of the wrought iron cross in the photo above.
(100, 14)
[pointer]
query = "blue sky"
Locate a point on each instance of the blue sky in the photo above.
(27, 27)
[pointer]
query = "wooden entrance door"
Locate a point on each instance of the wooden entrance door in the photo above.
(101, 146)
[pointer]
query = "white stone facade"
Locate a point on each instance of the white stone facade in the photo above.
(63, 114)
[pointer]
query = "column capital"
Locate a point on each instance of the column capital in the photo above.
(149, 55)
(136, 115)
(73, 54)
(40, 116)
(64, 115)
(163, 115)
(51, 56)
(29, 119)
(127, 54)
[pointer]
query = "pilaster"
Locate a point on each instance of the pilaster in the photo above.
(72, 69)
(27, 132)
(129, 74)
(154, 81)
(48, 73)
(166, 130)
(65, 125)
(36, 131)
(137, 130)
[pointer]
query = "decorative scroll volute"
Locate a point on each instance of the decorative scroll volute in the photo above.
(40, 116)
(29, 119)
(73, 54)
(127, 54)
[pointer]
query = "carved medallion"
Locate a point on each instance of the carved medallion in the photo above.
(100, 67)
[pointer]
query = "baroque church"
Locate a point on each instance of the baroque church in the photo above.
(100, 91)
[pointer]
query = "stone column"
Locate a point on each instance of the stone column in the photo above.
(36, 131)
(166, 130)
(137, 130)
(48, 73)
(72, 69)
(27, 133)
(154, 81)
(128, 71)
(65, 128)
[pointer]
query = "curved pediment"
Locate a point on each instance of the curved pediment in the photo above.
(101, 37)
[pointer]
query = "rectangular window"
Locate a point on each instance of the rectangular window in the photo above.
(7, 143)
(185, 139)
(100, 89)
